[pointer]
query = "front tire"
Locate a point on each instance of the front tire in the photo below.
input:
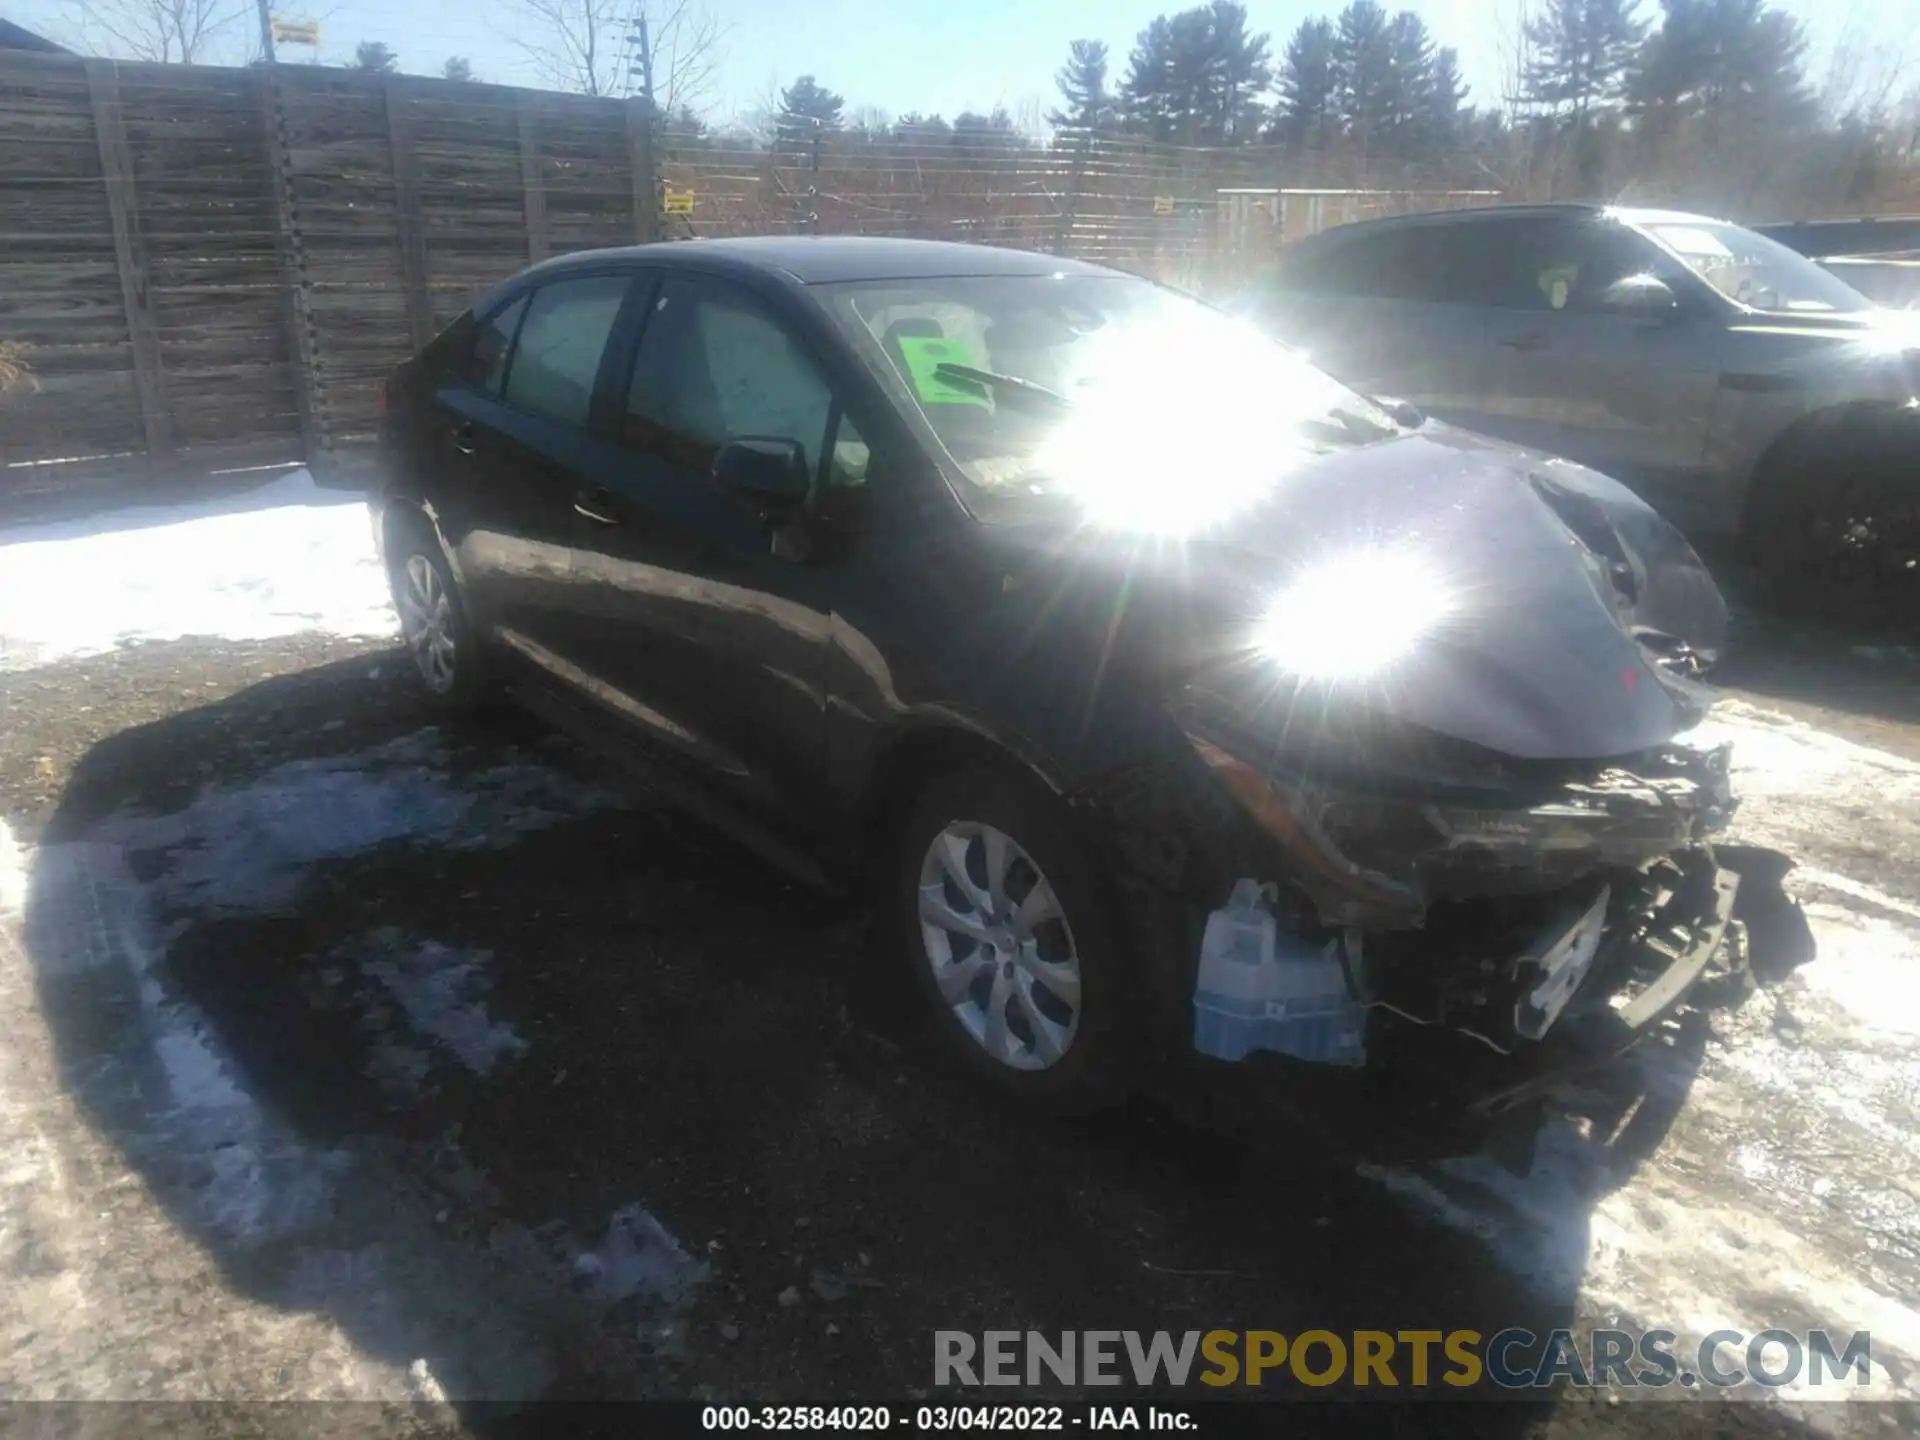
(1838, 536)
(433, 622)
(1009, 941)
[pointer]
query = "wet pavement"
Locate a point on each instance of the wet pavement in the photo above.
(351, 1054)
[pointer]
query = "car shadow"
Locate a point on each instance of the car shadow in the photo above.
(1842, 672)
(530, 1091)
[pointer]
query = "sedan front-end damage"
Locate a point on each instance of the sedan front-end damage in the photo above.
(1504, 925)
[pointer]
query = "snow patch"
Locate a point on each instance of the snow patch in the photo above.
(1866, 966)
(285, 558)
(251, 846)
(443, 992)
(13, 873)
(637, 1258)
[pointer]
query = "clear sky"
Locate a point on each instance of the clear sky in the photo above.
(945, 56)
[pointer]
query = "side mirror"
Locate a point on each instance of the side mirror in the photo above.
(1641, 297)
(1404, 412)
(770, 472)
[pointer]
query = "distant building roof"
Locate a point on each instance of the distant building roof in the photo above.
(12, 37)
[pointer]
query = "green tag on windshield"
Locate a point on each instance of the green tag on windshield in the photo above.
(925, 354)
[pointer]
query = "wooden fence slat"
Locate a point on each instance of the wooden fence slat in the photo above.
(533, 189)
(116, 169)
(295, 308)
(411, 225)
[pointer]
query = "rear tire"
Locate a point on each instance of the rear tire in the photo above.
(1008, 937)
(434, 626)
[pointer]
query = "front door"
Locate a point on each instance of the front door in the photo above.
(1630, 397)
(698, 623)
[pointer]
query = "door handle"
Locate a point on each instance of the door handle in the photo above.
(1533, 340)
(596, 503)
(463, 437)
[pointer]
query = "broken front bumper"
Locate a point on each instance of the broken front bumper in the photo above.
(1640, 975)
(1499, 952)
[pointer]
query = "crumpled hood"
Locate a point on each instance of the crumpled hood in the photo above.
(1569, 612)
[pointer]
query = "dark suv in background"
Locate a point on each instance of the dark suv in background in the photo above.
(1749, 394)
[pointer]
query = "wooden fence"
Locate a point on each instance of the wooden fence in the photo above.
(208, 270)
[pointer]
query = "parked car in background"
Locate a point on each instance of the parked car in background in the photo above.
(1159, 693)
(1878, 255)
(1748, 393)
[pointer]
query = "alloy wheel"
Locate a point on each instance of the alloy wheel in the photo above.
(426, 621)
(1001, 951)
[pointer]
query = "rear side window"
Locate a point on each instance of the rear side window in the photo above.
(561, 341)
(487, 366)
(1446, 264)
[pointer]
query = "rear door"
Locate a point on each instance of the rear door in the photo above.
(515, 434)
(1402, 311)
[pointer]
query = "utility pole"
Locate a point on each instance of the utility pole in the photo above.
(266, 33)
(643, 55)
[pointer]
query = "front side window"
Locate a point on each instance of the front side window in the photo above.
(561, 341)
(714, 366)
(1569, 265)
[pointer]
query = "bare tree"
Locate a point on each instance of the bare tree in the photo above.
(1867, 68)
(167, 31)
(686, 47)
(592, 46)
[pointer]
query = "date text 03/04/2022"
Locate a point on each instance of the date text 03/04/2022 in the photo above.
(947, 1417)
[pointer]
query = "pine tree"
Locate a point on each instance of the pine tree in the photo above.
(1409, 74)
(457, 68)
(1305, 116)
(1197, 76)
(1363, 72)
(1582, 53)
(1731, 62)
(1442, 120)
(1083, 88)
(807, 108)
(1242, 70)
(373, 55)
(1146, 93)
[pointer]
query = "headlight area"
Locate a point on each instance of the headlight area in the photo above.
(1489, 951)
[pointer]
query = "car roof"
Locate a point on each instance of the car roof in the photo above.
(1484, 214)
(823, 259)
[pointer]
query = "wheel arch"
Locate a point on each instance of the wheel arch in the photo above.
(1783, 463)
(917, 754)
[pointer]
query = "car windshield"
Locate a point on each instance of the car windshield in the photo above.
(1107, 388)
(1755, 271)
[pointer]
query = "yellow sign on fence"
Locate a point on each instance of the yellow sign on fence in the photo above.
(677, 202)
(295, 32)
(1163, 204)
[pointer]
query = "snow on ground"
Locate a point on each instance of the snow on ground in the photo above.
(367, 1294)
(252, 846)
(281, 559)
(1783, 1193)
(443, 995)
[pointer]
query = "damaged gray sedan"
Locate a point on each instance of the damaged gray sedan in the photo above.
(1178, 708)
